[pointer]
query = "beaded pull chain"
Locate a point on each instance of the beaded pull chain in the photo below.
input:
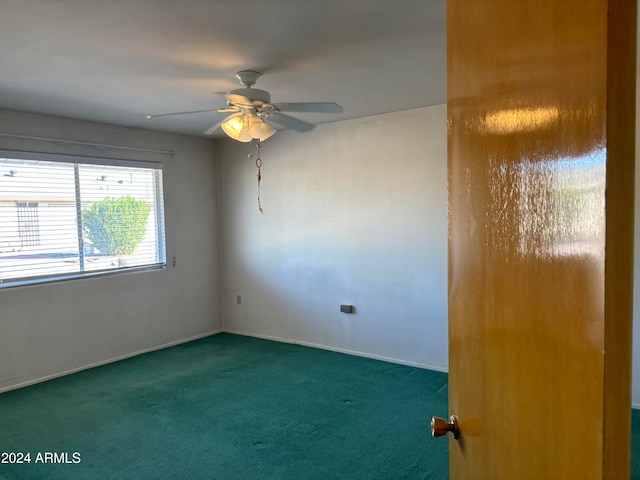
(258, 165)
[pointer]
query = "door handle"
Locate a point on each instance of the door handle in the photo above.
(440, 427)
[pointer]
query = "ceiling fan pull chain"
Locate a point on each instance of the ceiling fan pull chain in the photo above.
(258, 165)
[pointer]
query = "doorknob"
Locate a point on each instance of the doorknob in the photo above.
(440, 427)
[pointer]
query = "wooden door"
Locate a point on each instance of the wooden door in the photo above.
(541, 106)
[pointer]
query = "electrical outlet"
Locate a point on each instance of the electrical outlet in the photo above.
(238, 300)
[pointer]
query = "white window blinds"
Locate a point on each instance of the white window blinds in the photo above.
(64, 217)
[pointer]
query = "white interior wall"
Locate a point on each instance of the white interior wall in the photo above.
(55, 328)
(355, 212)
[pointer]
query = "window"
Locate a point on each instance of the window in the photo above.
(64, 217)
(28, 223)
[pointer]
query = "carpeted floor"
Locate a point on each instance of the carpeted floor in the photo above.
(229, 407)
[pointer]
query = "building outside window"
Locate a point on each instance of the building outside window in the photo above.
(28, 228)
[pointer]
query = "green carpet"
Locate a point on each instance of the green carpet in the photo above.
(230, 407)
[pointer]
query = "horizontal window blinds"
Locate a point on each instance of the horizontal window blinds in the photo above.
(64, 217)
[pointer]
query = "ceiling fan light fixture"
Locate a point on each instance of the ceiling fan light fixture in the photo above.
(252, 106)
(237, 127)
(260, 129)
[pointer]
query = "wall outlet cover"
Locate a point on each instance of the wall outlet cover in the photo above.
(347, 308)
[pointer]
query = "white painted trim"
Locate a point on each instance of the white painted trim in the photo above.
(353, 352)
(340, 350)
(105, 362)
(235, 332)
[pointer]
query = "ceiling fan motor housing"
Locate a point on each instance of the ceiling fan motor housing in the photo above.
(257, 96)
(248, 77)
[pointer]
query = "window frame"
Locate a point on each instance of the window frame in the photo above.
(158, 169)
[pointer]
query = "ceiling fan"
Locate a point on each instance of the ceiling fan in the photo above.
(253, 116)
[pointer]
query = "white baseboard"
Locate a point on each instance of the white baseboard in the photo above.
(340, 350)
(105, 362)
(353, 352)
(235, 332)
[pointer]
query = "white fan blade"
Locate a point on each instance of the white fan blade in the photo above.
(209, 131)
(320, 107)
(289, 122)
(181, 113)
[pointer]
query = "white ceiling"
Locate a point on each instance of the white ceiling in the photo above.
(115, 61)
